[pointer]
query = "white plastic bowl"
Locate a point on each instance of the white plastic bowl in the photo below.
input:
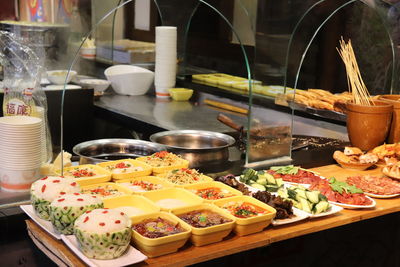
(129, 80)
(58, 76)
(98, 85)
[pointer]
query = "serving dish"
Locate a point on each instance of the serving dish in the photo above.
(298, 215)
(175, 177)
(103, 150)
(106, 190)
(86, 174)
(131, 256)
(98, 85)
(352, 207)
(180, 94)
(210, 234)
(45, 225)
(171, 199)
(200, 148)
(139, 203)
(381, 196)
(225, 189)
(154, 247)
(60, 77)
(154, 182)
(164, 161)
(246, 226)
(126, 168)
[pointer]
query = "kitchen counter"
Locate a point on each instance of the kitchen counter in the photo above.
(164, 114)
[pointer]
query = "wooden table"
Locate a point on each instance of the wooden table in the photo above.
(233, 244)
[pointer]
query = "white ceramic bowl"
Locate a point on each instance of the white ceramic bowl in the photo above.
(98, 85)
(58, 76)
(129, 80)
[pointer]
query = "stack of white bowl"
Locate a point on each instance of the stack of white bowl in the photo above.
(21, 147)
(166, 55)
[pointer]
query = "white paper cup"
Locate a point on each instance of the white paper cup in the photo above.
(18, 180)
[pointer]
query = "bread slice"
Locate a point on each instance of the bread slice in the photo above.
(350, 151)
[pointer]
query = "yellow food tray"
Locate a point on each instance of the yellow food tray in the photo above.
(135, 201)
(222, 186)
(180, 163)
(246, 226)
(211, 234)
(114, 186)
(203, 178)
(147, 169)
(101, 174)
(154, 247)
(179, 194)
(150, 179)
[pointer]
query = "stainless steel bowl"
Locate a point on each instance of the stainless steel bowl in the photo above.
(101, 150)
(201, 148)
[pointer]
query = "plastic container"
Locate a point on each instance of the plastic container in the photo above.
(135, 201)
(58, 76)
(222, 186)
(246, 226)
(203, 179)
(147, 169)
(114, 186)
(188, 198)
(101, 174)
(150, 179)
(154, 247)
(211, 234)
(180, 94)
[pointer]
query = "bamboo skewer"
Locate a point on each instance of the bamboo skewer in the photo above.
(355, 82)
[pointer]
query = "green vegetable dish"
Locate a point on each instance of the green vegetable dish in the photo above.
(261, 180)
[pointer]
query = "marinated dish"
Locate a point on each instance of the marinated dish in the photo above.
(103, 191)
(79, 172)
(341, 192)
(212, 193)
(203, 218)
(142, 186)
(242, 209)
(378, 185)
(162, 159)
(122, 167)
(184, 176)
(294, 174)
(159, 227)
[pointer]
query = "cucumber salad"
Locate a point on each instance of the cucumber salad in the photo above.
(261, 180)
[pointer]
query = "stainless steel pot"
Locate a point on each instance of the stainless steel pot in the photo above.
(101, 150)
(200, 148)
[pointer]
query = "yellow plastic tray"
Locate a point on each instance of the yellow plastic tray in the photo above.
(102, 175)
(139, 202)
(194, 187)
(181, 163)
(119, 188)
(147, 169)
(246, 226)
(150, 179)
(154, 247)
(174, 193)
(203, 178)
(212, 234)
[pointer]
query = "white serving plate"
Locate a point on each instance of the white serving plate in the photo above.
(334, 209)
(381, 196)
(353, 207)
(131, 256)
(45, 225)
(299, 215)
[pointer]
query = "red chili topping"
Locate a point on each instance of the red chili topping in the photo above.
(80, 199)
(161, 154)
(106, 211)
(88, 211)
(73, 184)
(76, 194)
(122, 213)
(61, 199)
(62, 193)
(189, 171)
(122, 165)
(43, 188)
(117, 221)
(94, 197)
(102, 224)
(56, 181)
(82, 173)
(44, 178)
(87, 218)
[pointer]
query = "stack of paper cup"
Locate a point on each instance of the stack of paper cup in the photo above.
(20, 152)
(165, 70)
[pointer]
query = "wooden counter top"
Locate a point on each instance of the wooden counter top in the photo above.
(234, 244)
